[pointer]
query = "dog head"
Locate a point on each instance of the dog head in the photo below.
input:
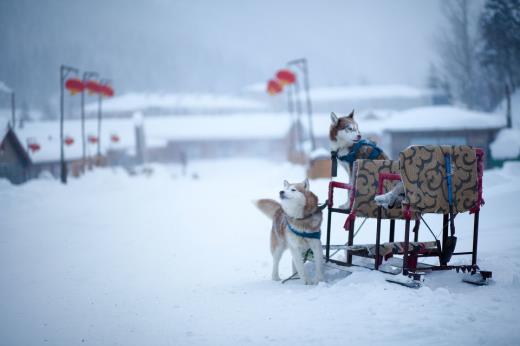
(344, 131)
(297, 200)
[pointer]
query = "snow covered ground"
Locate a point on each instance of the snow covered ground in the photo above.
(168, 259)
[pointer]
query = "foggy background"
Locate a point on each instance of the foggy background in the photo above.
(213, 46)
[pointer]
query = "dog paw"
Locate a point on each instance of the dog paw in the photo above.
(308, 281)
(276, 278)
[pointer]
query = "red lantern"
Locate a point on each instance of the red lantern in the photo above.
(286, 76)
(34, 147)
(69, 140)
(114, 138)
(32, 144)
(92, 87)
(274, 87)
(106, 91)
(92, 139)
(74, 85)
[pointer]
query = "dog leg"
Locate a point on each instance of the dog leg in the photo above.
(318, 260)
(298, 262)
(277, 255)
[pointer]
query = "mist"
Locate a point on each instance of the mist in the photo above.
(213, 46)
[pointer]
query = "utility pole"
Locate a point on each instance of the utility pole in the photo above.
(100, 97)
(13, 109)
(302, 65)
(64, 71)
(86, 76)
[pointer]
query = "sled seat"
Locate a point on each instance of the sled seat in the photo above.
(423, 172)
(365, 187)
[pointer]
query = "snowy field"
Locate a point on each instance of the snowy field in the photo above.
(168, 259)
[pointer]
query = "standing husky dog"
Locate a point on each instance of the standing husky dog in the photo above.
(347, 145)
(296, 225)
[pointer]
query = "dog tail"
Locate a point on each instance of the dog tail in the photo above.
(268, 206)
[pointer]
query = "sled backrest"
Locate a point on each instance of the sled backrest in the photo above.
(423, 172)
(365, 183)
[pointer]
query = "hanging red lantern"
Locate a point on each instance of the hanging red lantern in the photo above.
(92, 87)
(32, 144)
(69, 140)
(92, 139)
(74, 85)
(114, 138)
(274, 87)
(106, 90)
(34, 147)
(286, 76)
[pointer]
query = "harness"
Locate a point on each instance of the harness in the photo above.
(352, 155)
(313, 235)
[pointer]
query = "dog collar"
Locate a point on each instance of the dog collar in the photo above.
(312, 235)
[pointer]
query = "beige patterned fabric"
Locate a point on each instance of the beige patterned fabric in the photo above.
(366, 180)
(423, 173)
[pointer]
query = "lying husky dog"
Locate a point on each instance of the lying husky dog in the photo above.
(296, 225)
(348, 146)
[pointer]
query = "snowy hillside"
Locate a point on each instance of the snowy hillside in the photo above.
(173, 260)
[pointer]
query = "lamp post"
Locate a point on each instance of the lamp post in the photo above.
(13, 109)
(64, 72)
(302, 65)
(86, 76)
(103, 82)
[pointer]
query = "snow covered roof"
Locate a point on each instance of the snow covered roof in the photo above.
(161, 129)
(363, 92)
(158, 131)
(47, 135)
(194, 102)
(417, 119)
(506, 145)
(204, 127)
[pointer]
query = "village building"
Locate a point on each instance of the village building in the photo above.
(275, 136)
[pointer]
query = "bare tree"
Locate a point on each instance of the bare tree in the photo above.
(458, 48)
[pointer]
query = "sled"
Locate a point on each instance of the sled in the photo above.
(410, 281)
(480, 278)
(445, 180)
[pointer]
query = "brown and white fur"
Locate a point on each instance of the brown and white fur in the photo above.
(343, 134)
(298, 206)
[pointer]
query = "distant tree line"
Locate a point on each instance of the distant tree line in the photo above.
(479, 52)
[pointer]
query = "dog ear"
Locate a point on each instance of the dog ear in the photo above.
(333, 118)
(306, 184)
(351, 115)
(285, 184)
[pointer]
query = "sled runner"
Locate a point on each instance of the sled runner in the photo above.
(444, 180)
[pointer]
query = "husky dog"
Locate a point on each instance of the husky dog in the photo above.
(348, 146)
(296, 225)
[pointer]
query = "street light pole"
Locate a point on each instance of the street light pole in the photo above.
(86, 76)
(302, 65)
(103, 82)
(13, 109)
(64, 71)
